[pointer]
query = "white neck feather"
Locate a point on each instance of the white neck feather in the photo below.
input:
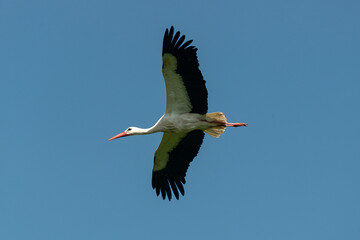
(143, 131)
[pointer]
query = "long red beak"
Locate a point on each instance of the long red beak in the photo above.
(123, 134)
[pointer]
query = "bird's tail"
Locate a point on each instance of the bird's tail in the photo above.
(217, 117)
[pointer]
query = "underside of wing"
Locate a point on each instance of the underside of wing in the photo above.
(172, 159)
(185, 86)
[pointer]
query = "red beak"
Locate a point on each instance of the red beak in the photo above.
(123, 134)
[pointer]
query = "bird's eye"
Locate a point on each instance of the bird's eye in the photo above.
(129, 129)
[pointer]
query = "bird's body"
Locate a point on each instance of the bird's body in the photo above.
(174, 122)
(185, 118)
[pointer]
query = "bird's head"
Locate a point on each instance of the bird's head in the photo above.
(128, 132)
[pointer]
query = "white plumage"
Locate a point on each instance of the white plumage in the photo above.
(185, 118)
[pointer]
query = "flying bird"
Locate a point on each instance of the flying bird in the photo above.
(185, 119)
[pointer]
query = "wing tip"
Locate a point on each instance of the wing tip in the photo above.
(167, 186)
(175, 43)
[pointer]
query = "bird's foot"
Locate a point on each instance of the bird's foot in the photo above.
(236, 124)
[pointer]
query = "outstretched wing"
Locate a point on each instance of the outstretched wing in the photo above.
(185, 86)
(172, 159)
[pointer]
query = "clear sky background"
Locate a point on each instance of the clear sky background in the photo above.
(75, 73)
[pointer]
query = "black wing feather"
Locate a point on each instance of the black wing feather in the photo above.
(181, 40)
(179, 160)
(174, 188)
(188, 69)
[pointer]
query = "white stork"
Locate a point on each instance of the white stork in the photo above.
(185, 119)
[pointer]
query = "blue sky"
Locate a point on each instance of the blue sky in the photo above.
(75, 73)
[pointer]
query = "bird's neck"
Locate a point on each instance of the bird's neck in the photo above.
(143, 131)
(153, 129)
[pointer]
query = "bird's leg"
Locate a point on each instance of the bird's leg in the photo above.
(236, 124)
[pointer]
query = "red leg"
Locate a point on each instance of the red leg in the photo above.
(236, 124)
